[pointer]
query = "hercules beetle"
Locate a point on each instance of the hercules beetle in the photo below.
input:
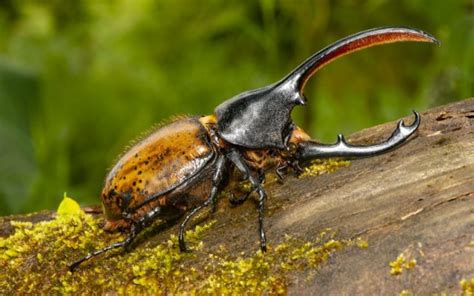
(181, 167)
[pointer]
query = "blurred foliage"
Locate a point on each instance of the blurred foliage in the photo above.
(80, 78)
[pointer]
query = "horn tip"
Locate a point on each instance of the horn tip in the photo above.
(432, 39)
(429, 38)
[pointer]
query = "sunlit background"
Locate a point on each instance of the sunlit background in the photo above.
(80, 79)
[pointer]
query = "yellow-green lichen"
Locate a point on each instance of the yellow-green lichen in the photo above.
(405, 293)
(398, 265)
(35, 260)
(467, 287)
(361, 243)
(323, 166)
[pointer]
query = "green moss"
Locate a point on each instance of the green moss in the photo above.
(361, 243)
(323, 166)
(35, 260)
(467, 287)
(398, 265)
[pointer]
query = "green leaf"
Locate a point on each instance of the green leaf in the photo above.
(68, 207)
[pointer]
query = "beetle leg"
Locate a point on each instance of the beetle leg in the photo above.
(279, 171)
(137, 227)
(310, 150)
(283, 168)
(295, 165)
(239, 162)
(221, 167)
(241, 199)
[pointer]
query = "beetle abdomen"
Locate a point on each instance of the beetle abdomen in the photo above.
(162, 162)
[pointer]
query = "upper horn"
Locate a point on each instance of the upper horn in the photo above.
(352, 43)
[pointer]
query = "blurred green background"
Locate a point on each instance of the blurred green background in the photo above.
(79, 79)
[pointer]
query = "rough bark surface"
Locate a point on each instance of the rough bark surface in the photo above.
(417, 201)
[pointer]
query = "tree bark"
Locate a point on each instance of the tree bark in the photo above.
(417, 200)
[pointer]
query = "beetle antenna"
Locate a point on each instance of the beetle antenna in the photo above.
(350, 44)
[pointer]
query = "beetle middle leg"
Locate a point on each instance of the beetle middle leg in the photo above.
(221, 167)
(239, 162)
(241, 199)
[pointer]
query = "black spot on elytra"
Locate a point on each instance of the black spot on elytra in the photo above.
(139, 172)
(134, 183)
(136, 155)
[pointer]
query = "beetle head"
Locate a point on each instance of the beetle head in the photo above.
(261, 118)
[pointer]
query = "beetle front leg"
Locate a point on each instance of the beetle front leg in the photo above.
(241, 199)
(137, 227)
(221, 167)
(311, 150)
(239, 162)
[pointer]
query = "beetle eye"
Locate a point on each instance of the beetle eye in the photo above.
(125, 198)
(111, 193)
(291, 148)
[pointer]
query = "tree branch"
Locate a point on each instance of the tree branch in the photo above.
(415, 203)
